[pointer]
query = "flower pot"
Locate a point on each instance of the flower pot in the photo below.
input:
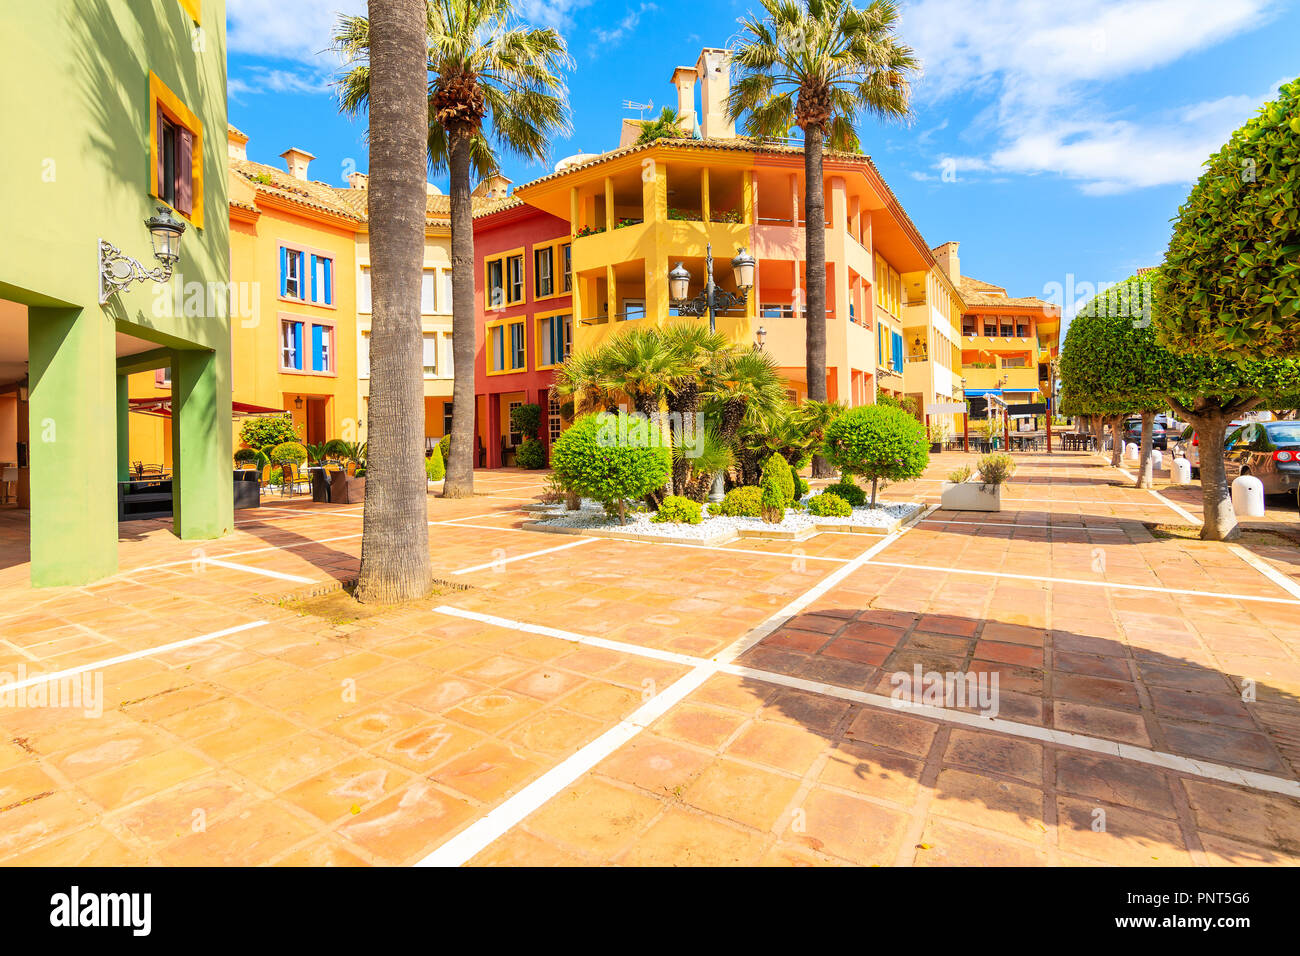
(345, 490)
(970, 496)
(936, 447)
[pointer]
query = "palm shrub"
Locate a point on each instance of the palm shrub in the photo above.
(590, 461)
(531, 454)
(743, 502)
(679, 510)
(878, 442)
(829, 505)
(667, 126)
(434, 469)
(699, 463)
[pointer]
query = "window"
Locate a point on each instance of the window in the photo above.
(1008, 329)
(363, 356)
(773, 311)
(633, 309)
(506, 350)
(430, 344)
(428, 291)
(1015, 361)
(291, 345)
(889, 287)
(446, 291)
(1022, 329)
(555, 333)
(544, 272)
(518, 352)
(515, 279)
(496, 285)
(308, 276)
(176, 152)
(516, 438)
(896, 351)
(553, 419)
(446, 418)
(505, 279)
(162, 377)
(363, 290)
(319, 339)
(566, 258)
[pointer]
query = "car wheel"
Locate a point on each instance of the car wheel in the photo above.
(1196, 473)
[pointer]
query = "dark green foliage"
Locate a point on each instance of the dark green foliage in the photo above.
(526, 419)
(801, 487)
(245, 455)
(589, 462)
(779, 469)
(531, 454)
(850, 491)
(772, 508)
(679, 510)
(878, 442)
(267, 431)
(829, 505)
(1230, 283)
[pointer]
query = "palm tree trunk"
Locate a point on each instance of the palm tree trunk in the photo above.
(459, 482)
(395, 530)
(815, 254)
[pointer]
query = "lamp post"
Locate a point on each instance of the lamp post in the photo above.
(965, 418)
(117, 271)
(759, 338)
(713, 299)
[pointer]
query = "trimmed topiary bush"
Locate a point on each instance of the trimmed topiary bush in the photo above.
(444, 447)
(288, 453)
(678, 510)
(246, 456)
(772, 507)
(744, 502)
(598, 460)
(829, 505)
(267, 431)
(433, 466)
(779, 468)
(878, 442)
(526, 419)
(531, 454)
(850, 491)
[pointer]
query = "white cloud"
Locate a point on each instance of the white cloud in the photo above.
(625, 26)
(1043, 65)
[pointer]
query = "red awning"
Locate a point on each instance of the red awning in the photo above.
(162, 408)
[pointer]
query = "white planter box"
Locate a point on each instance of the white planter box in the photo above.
(971, 496)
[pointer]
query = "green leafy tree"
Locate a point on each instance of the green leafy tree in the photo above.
(879, 443)
(820, 65)
(608, 459)
(267, 431)
(1230, 282)
(525, 419)
(485, 72)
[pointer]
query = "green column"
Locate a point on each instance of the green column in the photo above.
(123, 429)
(203, 477)
(73, 375)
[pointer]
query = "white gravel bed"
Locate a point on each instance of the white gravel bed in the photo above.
(592, 515)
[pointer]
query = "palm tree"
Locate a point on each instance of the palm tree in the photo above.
(395, 530)
(818, 64)
(699, 353)
(484, 71)
(667, 126)
(639, 364)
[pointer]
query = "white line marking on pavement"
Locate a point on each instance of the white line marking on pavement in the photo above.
(134, 655)
(1012, 527)
(1181, 512)
(1095, 584)
(264, 572)
(483, 832)
(530, 554)
(1266, 569)
(241, 554)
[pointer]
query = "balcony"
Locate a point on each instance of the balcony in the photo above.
(987, 378)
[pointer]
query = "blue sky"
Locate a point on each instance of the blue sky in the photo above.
(1054, 139)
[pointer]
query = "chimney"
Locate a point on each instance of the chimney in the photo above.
(236, 143)
(684, 78)
(358, 181)
(946, 256)
(296, 160)
(714, 68)
(495, 186)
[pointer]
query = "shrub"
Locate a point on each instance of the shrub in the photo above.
(526, 419)
(801, 487)
(743, 502)
(830, 505)
(678, 510)
(531, 454)
(779, 468)
(591, 459)
(878, 442)
(772, 504)
(289, 452)
(246, 455)
(444, 447)
(996, 468)
(850, 491)
(275, 477)
(336, 448)
(959, 475)
(434, 469)
(268, 430)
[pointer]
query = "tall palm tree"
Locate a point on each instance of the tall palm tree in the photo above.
(819, 64)
(485, 71)
(639, 364)
(395, 532)
(698, 353)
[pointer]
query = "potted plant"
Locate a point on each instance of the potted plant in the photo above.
(248, 458)
(961, 494)
(936, 434)
(348, 488)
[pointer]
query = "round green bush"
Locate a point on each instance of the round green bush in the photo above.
(1230, 282)
(434, 469)
(267, 430)
(850, 491)
(780, 470)
(829, 505)
(288, 453)
(678, 510)
(246, 455)
(531, 454)
(598, 459)
(743, 502)
(877, 442)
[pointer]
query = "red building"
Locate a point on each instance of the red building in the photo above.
(523, 313)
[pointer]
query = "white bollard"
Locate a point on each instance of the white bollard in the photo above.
(1182, 471)
(1131, 451)
(1157, 459)
(1248, 497)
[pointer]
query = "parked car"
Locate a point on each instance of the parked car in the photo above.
(1186, 446)
(1133, 433)
(1270, 451)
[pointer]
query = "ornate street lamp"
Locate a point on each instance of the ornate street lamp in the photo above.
(712, 300)
(117, 271)
(760, 336)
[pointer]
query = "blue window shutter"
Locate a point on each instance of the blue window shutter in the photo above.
(297, 345)
(314, 296)
(284, 270)
(329, 281)
(317, 359)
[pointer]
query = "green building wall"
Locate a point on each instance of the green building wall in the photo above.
(75, 168)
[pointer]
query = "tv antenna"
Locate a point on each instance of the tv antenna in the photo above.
(639, 107)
